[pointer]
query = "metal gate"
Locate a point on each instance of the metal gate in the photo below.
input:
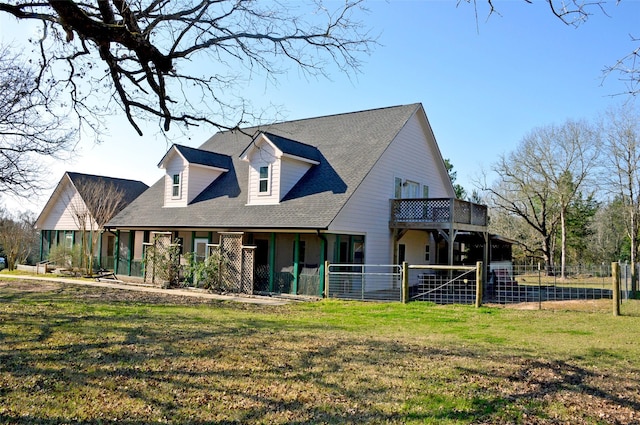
(379, 282)
(375, 282)
(443, 284)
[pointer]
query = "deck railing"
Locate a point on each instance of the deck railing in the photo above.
(437, 210)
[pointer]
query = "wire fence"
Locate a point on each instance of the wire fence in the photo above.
(505, 283)
(365, 282)
(520, 284)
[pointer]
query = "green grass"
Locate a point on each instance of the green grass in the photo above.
(70, 354)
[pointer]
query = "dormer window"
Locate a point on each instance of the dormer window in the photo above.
(189, 171)
(175, 188)
(264, 180)
(276, 165)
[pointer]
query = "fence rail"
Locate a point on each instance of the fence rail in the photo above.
(516, 284)
(505, 284)
(379, 282)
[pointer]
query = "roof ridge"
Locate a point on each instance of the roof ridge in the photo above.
(260, 127)
(101, 177)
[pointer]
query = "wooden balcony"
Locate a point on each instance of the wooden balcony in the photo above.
(438, 213)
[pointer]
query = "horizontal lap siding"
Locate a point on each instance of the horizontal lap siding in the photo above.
(410, 156)
(290, 173)
(61, 216)
(264, 157)
(176, 166)
(199, 179)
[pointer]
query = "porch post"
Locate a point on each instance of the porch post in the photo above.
(130, 256)
(296, 263)
(322, 265)
(487, 256)
(272, 261)
(101, 235)
(42, 244)
(116, 253)
(452, 239)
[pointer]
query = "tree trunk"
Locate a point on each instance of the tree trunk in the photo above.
(563, 247)
(547, 253)
(634, 250)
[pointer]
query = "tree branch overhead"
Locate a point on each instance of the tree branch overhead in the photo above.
(142, 47)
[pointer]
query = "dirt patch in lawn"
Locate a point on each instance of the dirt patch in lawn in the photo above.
(603, 305)
(29, 286)
(103, 294)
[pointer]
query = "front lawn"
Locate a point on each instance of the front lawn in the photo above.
(82, 355)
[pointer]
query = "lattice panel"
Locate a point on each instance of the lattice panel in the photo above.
(160, 244)
(247, 270)
(462, 212)
(231, 248)
(432, 210)
(479, 215)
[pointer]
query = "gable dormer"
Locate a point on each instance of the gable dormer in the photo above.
(276, 164)
(188, 172)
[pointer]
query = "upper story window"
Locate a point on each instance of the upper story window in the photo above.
(263, 180)
(175, 186)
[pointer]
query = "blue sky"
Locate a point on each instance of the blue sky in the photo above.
(483, 85)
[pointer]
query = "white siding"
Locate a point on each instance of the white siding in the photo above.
(413, 155)
(199, 179)
(416, 245)
(60, 212)
(176, 165)
(291, 172)
(265, 156)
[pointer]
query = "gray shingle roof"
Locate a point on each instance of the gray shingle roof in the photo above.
(201, 157)
(348, 146)
(293, 147)
(131, 189)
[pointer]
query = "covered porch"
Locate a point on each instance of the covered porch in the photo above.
(445, 219)
(289, 262)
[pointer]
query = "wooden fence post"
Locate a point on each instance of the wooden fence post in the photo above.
(615, 273)
(479, 284)
(405, 282)
(326, 279)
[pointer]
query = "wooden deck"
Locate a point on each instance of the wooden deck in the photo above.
(438, 213)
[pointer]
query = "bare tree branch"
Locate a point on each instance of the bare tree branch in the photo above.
(147, 46)
(575, 13)
(32, 127)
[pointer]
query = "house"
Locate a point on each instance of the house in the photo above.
(77, 209)
(361, 187)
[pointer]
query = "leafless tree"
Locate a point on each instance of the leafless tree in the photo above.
(520, 193)
(621, 169)
(30, 130)
(567, 155)
(97, 201)
(538, 181)
(17, 237)
(137, 55)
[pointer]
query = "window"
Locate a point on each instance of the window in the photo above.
(175, 187)
(427, 252)
(397, 188)
(425, 191)
(263, 180)
(68, 239)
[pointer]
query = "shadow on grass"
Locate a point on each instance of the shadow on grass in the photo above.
(84, 359)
